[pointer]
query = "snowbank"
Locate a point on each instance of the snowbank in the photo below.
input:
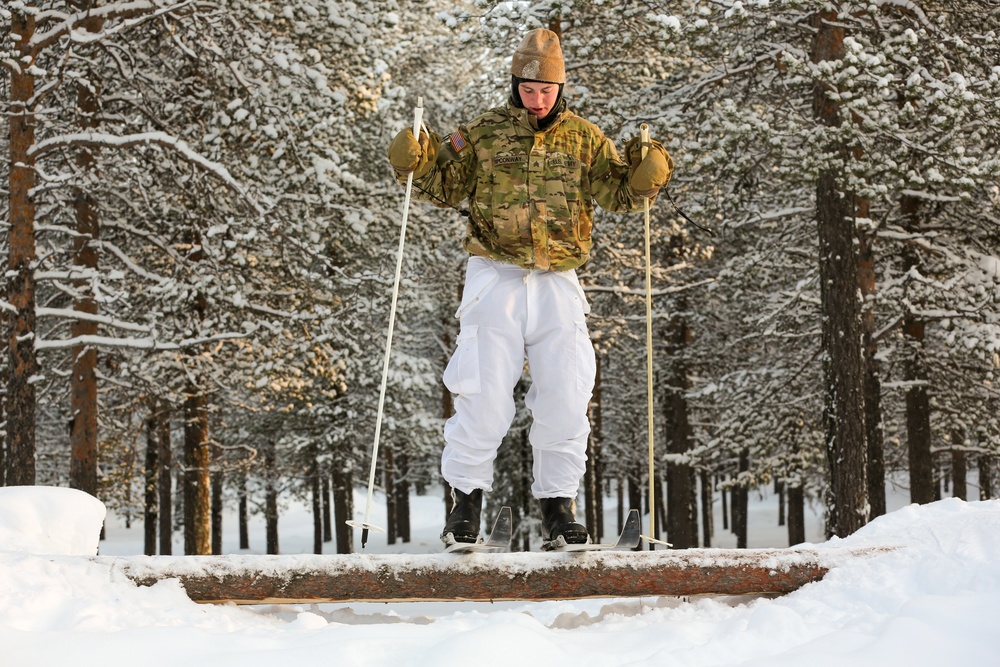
(48, 520)
(933, 601)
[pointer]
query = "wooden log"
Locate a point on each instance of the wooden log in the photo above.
(485, 577)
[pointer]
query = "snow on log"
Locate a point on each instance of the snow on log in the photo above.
(485, 577)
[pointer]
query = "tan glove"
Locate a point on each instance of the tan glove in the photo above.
(648, 175)
(407, 155)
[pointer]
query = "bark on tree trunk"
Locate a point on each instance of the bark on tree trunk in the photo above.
(707, 518)
(959, 467)
(522, 489)
(620, 514)
(682, 499)
(741, 498)
(918, 408)
(317, 508)
(197, 483)
(244, 513)
(343, 508)
(389, 472)
(327, 507)
(635, 490)
(217, 480)
(985, 477)
(796, 515)
(918, 403)
(164, 475)
(841, 307)
(594, 474)
(22, 362)
(401, 492)
(270, 499)
(725, 499)
(149, 518)
(83, 380)
(779, 489)
(872, 383)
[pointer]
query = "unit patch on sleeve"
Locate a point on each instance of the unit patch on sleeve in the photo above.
(457, 142)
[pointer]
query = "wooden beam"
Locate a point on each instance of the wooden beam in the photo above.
(485, 577)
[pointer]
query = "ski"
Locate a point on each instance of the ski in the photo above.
(629, 539)
(499, 539)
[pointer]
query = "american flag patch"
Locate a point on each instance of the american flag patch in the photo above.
(457, 142)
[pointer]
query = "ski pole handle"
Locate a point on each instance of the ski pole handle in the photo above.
(644, 139)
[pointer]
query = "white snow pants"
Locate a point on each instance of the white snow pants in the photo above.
(508, 313)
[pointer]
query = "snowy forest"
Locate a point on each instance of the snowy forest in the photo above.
(202, 227)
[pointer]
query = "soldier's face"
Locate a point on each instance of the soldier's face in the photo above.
(538, 98)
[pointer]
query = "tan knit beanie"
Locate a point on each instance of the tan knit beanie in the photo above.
(539, 58)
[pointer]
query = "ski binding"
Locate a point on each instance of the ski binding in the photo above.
(629, 539)
(499, 539)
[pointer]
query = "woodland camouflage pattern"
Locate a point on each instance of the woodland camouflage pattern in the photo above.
(531, 193)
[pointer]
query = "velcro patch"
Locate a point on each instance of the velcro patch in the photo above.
(457, 142)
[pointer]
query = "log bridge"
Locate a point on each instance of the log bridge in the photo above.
(252, 579)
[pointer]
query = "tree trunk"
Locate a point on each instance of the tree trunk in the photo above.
(841, 322)
(707, 519)
(620, 497)
(661, 507)
(270, 499)
(779, 490)
(389, 472)
(197, 483)
(918, 408)
(985, 477)
(594, 474)
(83, 380)
(725, 500)
(918, 403)
(244, 513)
(317, 508)
(796, 515)
(343, 508)
(682, 499)
(327, 508)
(635, 491)
(959, 467)
(150, 474)
(217, 480)
(874, 435)
(402, 491)
(427, 577)
(21, 326)
(741, 504)
(164, 481)
(522, 488)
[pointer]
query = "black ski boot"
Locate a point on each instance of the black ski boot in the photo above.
(463, 522)
(559, 520)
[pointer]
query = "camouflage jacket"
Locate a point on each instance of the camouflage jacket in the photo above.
(530, 192)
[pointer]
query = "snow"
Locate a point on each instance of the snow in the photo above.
(934, 600)
(54, 521)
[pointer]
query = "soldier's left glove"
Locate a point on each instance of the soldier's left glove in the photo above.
(647, 176)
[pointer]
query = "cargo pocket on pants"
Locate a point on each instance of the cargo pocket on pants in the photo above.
(462, 373)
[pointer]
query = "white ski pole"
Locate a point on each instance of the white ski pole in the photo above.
(365, 526)
(651, 538)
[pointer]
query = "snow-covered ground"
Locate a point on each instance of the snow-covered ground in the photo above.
(933, 602)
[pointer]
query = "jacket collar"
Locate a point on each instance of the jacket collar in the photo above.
(527, 121)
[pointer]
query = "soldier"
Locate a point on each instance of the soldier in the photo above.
(530, 171)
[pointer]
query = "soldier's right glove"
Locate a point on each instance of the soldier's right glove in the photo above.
(651, 173)
(407, 155)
